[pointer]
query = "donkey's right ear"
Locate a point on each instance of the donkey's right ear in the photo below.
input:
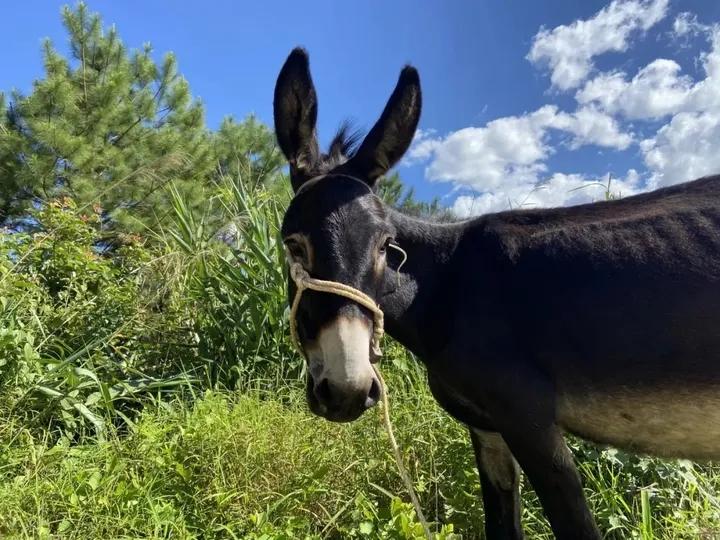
(295, 112)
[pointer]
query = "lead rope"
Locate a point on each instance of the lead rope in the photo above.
(303, 281)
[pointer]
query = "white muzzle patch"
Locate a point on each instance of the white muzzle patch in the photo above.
(341, 354)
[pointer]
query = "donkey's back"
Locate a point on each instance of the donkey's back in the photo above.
(678, 226)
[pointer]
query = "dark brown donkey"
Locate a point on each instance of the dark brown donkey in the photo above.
(601, 320)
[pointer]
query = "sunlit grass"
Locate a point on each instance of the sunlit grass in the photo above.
(256, 464)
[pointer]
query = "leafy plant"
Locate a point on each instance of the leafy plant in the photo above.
(75, 324)
(236, 279)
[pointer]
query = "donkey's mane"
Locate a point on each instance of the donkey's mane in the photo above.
(343, 147)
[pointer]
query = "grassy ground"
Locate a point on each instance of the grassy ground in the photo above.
(255, 464)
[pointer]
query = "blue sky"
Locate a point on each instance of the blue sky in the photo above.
(525, 102)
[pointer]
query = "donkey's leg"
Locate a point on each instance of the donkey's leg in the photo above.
(500, 480)
(522, 403)
(548, 464)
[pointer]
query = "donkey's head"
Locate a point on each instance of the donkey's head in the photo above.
(337, 228)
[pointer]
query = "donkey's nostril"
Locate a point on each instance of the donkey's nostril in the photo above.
(322, 391)
(346, 402)
(374, 394)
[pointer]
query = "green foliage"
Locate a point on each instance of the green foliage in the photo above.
(107, 430)
(93, 343)
(247, 150)
(236, 287)
(257, 465)
(393, 192)
(76, 326)
(105, 125)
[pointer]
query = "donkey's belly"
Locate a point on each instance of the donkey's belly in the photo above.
(670, 423)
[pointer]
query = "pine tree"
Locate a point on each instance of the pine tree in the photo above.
(247, 149)
(107, 127)
(12, 191)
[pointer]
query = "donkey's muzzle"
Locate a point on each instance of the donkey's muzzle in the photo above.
(341, 404)
(343, 382)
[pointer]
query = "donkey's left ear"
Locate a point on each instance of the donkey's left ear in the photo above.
(295, 114)
(391, 136)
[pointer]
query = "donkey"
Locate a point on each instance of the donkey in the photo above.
(600, 320)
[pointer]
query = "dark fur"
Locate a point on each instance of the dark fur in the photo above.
(525, 319)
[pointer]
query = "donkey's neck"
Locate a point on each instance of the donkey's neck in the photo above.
(411, 310)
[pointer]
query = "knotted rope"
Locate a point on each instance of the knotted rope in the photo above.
(303, 281)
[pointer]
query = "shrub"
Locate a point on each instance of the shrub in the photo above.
(80, 335)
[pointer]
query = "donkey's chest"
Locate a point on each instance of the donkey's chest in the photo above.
(680, 422)
(464, 409)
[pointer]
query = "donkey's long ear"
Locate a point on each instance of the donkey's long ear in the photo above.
(391, 136)
(295, 112)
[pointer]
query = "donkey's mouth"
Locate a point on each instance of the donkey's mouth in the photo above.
(339, 414)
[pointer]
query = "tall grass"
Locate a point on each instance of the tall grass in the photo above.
(84, 339)
(256, 464)
(242, 297)
(87, 339)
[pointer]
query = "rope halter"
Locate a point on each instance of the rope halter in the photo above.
(303, 281)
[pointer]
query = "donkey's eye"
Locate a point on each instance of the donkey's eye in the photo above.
(296, 249)
(384, 246)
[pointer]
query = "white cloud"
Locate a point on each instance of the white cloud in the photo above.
(512, 149)
(657, 90)
(558, 190)
(483, 157)
(568, 50)
(422, 147)
(705, 95)
(686, 25)
(688, 146)
(505, 162)
(591, 126)
(684, 149)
